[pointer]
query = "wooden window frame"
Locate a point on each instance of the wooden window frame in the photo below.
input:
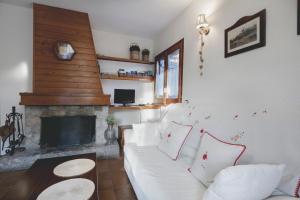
(164, 55)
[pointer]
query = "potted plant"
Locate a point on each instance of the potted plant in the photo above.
(110, 132)
(145, 55)
(134, 51)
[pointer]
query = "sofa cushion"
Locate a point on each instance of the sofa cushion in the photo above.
(213, 156)
(159, 177)
(173, 138)
(257, 181)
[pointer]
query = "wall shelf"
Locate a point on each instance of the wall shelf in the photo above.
(137, 107)
(110, 58)
(127, 78)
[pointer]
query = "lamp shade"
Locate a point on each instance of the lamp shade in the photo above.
(201, 22)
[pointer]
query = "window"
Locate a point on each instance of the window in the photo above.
(168, 74)
(160, 76)
(173, 74)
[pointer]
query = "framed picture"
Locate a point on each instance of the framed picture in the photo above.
(298, 21)
(246, 34)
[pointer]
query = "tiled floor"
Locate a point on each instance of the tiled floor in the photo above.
(113, 181)
(8, 181)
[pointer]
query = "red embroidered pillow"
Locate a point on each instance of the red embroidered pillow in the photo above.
(214, 155)
(290, 185)
(173, 138)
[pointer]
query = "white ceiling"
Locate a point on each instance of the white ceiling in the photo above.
(143, 18)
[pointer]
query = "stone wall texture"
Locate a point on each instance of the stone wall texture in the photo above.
(33, 116)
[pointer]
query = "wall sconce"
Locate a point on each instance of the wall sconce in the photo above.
(203, 29)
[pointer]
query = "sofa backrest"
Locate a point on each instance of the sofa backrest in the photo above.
(271, 136)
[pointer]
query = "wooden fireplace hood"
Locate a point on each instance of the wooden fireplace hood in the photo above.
(57, 82)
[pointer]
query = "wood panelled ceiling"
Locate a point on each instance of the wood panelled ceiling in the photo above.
(56, 82)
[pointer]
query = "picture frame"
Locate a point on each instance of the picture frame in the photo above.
(298, 16)
(246, 34)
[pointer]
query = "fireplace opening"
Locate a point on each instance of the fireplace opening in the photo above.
(67, 131)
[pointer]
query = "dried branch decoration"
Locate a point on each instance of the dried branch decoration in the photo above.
(201, 55)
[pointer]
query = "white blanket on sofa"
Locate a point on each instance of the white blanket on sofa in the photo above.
(160, 177)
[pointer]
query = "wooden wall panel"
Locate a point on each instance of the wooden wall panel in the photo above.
(79, 77)
(61, 30)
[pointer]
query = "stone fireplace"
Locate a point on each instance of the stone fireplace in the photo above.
(35, 114)
(33, 129)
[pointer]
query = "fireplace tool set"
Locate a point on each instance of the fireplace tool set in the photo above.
(13, 132)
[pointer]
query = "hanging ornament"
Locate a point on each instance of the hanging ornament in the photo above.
(201, 66)
(203, 29)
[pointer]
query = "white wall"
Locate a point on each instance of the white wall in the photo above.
(117, 45)
(16, 33)
(265, 78)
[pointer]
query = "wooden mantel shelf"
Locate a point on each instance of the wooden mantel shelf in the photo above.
(30, 99)
(110, 58)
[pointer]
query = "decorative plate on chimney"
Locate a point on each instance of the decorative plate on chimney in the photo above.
(64, 50)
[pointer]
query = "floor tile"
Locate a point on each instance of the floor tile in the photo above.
(107, 195)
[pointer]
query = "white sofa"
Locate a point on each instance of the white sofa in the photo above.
(154, 176)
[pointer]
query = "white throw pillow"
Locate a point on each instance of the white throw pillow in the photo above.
(190, 147)
(172, 139)
(147, 134)
(282, 197)
(214, 155)
(130, 136)
(245, 182)
(290, 185)
(179, 112)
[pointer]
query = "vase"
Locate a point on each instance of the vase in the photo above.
(145, 58)
(110, 134)
(135, 55)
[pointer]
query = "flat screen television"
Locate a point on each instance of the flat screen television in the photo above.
(124, 97)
